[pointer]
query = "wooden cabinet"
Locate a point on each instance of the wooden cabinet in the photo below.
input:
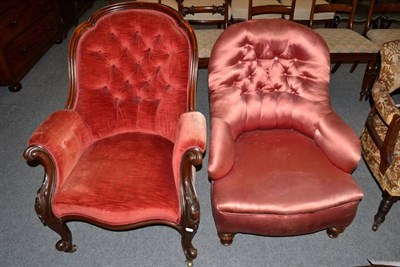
(28, 29)
(70, 11)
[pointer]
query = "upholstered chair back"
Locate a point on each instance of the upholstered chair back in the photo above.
(270, 74)
(130, 74)
(390, 65)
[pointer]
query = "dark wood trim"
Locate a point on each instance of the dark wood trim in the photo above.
(271, 9)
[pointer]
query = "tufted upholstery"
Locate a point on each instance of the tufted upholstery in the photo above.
(132, 79)
(121, 153)
(275, 140)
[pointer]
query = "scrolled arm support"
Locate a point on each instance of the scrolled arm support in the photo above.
(192, 158)
(37, 154)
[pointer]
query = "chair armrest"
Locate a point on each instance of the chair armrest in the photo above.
(339, 142)
(63, 136)
(383, 102)
(191, 133)
(222, 149)
(392, 179)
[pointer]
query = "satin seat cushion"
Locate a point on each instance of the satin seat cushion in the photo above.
(117, 181)
(282, 184)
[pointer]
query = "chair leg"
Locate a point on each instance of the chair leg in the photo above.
(384, 207)
(188, 249)
(226, 239)
(49, 219)
(334, 232)
(336, 67)
(370, 75)
(354, 66)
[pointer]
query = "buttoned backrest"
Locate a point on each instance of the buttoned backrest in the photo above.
(132, 69)
(271, 73)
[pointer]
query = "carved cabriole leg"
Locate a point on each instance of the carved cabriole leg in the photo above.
(226, 239)
(191, 207)
(35, 155)
(334, 232)
(385, 206)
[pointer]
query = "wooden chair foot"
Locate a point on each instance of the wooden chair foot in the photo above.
(226, 239)
(334, 232)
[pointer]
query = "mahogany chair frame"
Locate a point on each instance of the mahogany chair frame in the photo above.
(214, 9)
(35, 155)
(272, 9)
(382, 21)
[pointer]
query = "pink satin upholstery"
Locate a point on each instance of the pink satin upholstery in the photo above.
(280, 158)
(118, 147)
(282, 173)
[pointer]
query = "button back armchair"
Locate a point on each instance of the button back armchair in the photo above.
(121, 154)
(380, 138)
(280, 159)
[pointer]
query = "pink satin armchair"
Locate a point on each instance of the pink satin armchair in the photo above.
(121, 154)
(280, 159)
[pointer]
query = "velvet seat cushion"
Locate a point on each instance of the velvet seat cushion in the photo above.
(117, 181)
(282, 184)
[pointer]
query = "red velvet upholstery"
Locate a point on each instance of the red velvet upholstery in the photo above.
(280, 158)
(121, 150)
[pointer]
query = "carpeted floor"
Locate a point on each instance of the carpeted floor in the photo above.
(25, 242)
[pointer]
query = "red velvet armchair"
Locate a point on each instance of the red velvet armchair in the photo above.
(280, 158)
(122, 153)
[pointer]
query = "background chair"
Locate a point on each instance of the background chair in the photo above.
(170, 3)
(240, 9)
(380, 18)
(280, 159)
(380, 137)
(302, 9)
(209, 19)
(260, 10)
(121, 154)
(347, 45)
(211, 12)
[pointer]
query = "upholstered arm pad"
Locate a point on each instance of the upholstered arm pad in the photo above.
(339, 142)
(65, 136)
(191, 132)
(222, 149)
(384, 103)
